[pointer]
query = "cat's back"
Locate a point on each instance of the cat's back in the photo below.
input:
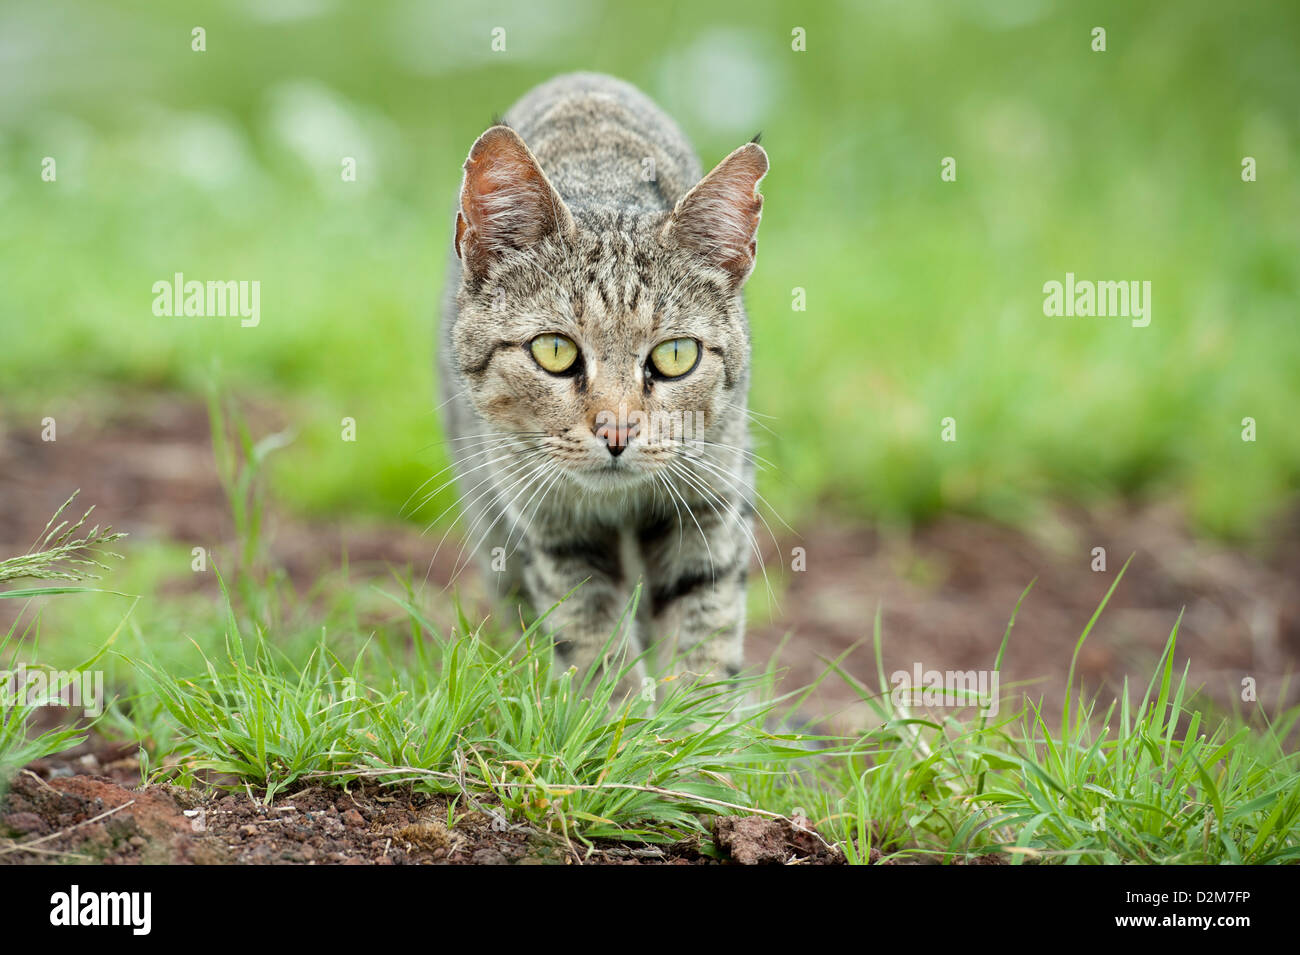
(606, 146)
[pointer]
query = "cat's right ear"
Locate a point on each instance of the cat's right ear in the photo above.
(718, 218)
(506, 201)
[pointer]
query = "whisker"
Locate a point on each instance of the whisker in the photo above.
(661, 480)
(498, 435)
(523, 484)
(467, 499)
(461, 476)
(753, 417)
(456, 394)
(542, 489)
(441, 471)
(740, 523)
(510, 451)
(713, 571)
(698, 482)
(752, 455)
(753, 490)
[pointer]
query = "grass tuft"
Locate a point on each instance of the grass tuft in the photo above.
(65, 550)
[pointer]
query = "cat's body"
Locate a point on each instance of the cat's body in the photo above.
(624, 465)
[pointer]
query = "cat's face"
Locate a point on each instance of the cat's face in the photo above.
(602, 351)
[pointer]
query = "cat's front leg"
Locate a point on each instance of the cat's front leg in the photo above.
(699, 568)
(592, 626)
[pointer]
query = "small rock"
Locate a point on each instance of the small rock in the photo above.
(489, 856)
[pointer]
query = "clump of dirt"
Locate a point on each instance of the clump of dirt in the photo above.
(759, 840)
(93, 819)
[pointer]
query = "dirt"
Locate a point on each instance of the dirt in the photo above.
(65, 810)
(83, 806)
(756, 840)
(944, 591)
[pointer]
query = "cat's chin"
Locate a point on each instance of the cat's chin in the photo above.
(614, 477)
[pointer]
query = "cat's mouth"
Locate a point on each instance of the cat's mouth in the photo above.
(613, 474)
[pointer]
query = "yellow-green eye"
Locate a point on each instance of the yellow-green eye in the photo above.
(555, 353)
(675, 357)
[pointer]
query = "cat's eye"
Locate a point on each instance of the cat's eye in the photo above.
(675, 357)
(555, 353)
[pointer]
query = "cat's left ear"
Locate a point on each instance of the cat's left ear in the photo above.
(718, 218)
(506, 201)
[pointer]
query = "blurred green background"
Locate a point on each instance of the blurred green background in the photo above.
(924, 297)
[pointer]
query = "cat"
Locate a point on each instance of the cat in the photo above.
(594, 375)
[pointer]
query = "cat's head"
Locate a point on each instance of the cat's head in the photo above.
(602, 339)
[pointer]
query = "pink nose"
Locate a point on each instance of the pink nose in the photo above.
(615, 438)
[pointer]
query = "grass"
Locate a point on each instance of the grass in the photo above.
(21, 739)
(462, 716)
(67, 551)
(468, 715)
(70, 552)
(1155, 784)
(484, 716)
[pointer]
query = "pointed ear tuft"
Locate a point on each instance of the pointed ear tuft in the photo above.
(718, 218)
(506, 201)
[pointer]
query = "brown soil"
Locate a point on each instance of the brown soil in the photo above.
(80, 807)
(946, 593)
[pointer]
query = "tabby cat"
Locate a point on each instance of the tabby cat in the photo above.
(594, 368)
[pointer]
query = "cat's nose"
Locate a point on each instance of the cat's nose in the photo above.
(615, 438)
